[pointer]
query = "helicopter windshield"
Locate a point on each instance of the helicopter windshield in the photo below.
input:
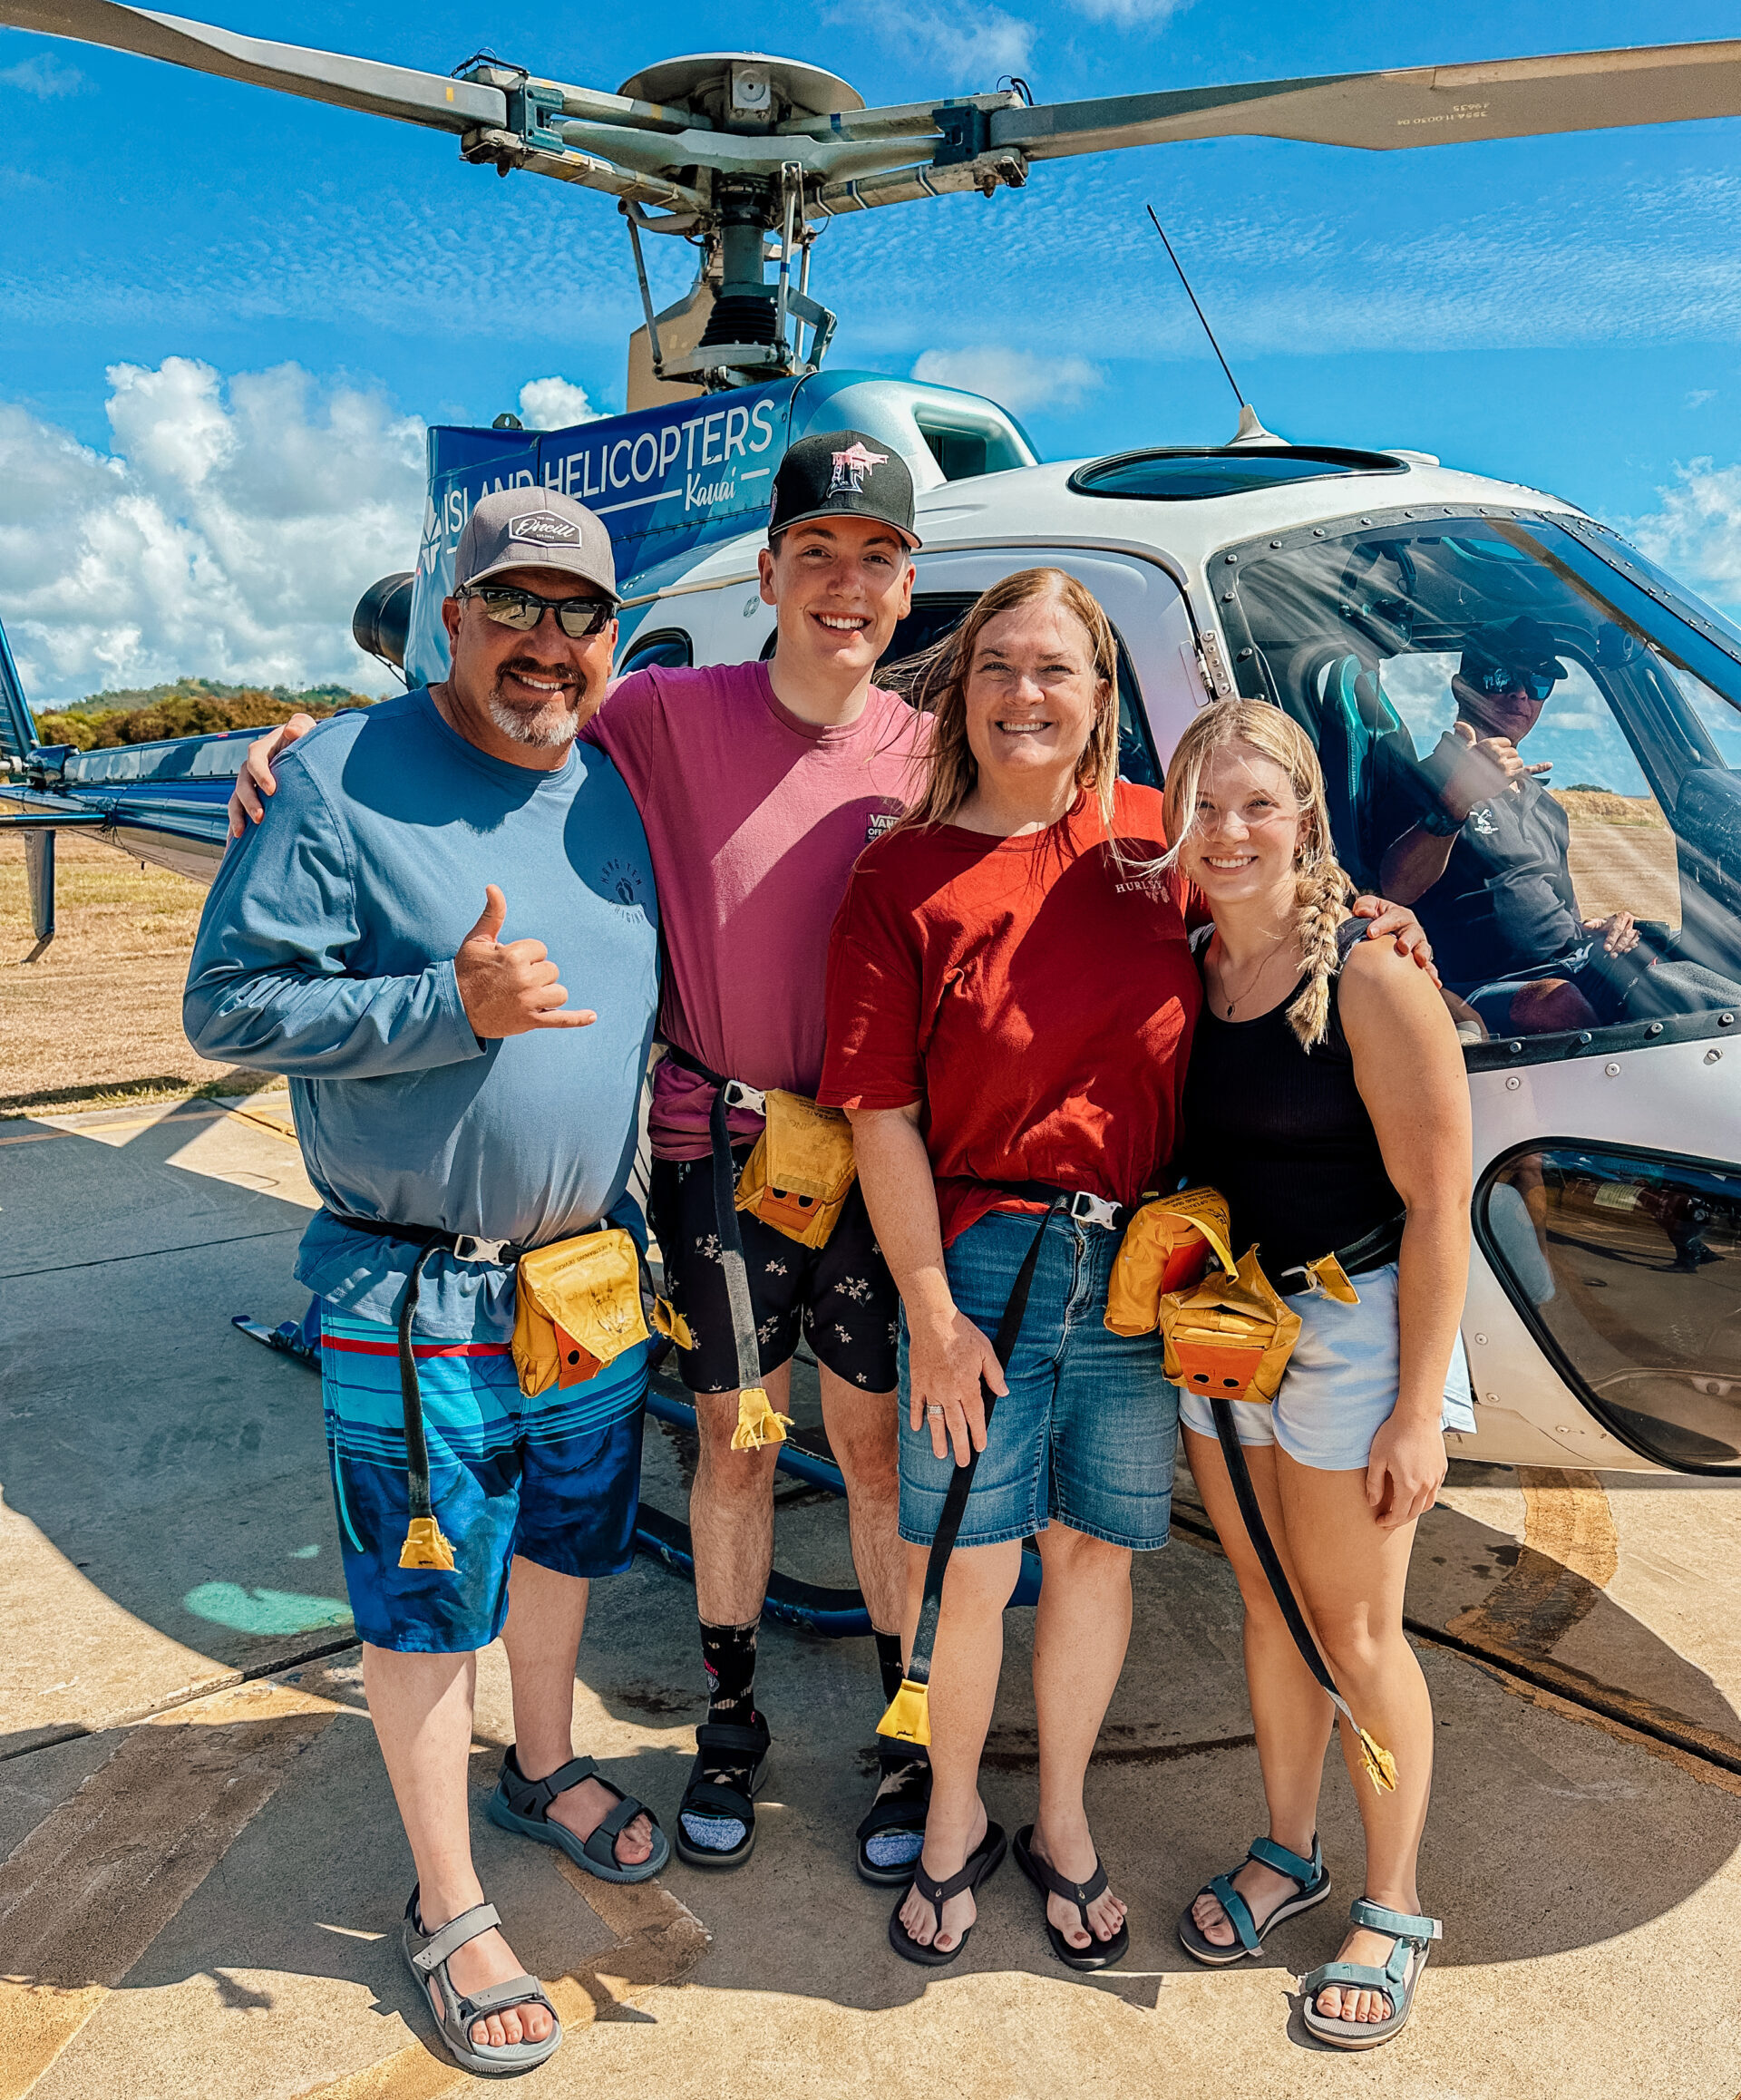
(1534, 736)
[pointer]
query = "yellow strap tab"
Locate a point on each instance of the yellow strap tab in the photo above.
(909, 1718)
(757, 1424)
(671, 1324)
(425, 1547)
(1332, 1279)
(1379, 1764)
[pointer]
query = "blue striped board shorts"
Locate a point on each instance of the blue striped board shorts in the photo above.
(555, 1479)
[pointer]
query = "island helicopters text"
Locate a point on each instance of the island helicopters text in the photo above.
(1367, 593)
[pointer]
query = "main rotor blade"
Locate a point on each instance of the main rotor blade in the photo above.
(1510, 98)
(322, 76)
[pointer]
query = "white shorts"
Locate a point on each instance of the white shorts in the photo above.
(1340, 1385)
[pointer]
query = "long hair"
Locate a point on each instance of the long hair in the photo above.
(938, 683)
(1321, 888)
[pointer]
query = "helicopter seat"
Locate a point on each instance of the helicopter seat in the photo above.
(1360, 740)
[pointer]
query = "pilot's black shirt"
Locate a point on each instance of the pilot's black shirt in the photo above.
(1505, 904)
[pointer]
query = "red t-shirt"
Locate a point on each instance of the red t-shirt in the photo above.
(1036, 999)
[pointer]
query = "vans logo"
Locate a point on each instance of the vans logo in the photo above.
(545, 529)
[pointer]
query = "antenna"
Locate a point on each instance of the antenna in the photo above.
(1251, 431)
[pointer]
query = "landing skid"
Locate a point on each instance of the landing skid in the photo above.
(837, 1613)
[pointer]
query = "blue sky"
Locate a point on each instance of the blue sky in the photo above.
(1565, 311)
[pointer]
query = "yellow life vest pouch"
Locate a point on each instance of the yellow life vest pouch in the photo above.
(578, 1306)
(1230, 1337)
(801, 1170)
(1166, 1248)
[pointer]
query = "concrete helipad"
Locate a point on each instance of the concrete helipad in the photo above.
(206, 1875)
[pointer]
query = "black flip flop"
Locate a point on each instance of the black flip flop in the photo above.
(731, 1764)
(1098, 1953)
(982, 1864)
(903, 1798)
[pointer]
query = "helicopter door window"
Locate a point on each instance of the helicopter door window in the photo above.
(670, 649)
(1623, 1265)
(1535, 751)
(934, 618)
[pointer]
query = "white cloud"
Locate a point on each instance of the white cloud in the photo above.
(972, 45)
(45, 78)
(228, 533)
(1130, 14)
(1695, 533)
(1019, 379)
(554, 403)
(1700, 395)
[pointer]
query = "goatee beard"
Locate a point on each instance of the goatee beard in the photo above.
(556, 722)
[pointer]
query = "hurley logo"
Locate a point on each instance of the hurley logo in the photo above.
(545, 529)
(851, 466)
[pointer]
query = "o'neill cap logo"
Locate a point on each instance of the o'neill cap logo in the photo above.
(545, 529)
(851, 466)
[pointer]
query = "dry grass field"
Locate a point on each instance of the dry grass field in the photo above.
(99, 1017)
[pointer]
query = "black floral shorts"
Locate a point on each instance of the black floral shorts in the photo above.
(841, 1296)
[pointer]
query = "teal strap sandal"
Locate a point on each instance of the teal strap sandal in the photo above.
(523, 1805)
(1397, 1978)
(1314, 1880)
(428, 1954)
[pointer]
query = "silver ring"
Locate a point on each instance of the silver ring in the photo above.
(933, 1413)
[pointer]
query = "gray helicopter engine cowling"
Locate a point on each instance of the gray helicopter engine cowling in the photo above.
(381, 625)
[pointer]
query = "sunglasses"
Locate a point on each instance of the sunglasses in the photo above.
(524, 609)
(1538, 685)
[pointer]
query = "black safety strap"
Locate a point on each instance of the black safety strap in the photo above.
(955, 1501)
(1258, 1531)
(731, 1233)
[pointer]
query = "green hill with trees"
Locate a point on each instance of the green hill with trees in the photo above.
(188, 707)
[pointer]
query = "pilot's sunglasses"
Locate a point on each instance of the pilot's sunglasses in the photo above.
(1538, 685)
(524, 609)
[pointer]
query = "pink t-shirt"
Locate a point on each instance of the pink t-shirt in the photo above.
(754, 819)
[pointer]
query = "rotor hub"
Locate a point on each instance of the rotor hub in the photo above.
(743, 90)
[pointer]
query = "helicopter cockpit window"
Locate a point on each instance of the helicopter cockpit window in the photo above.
(1529, 735)
(670, 649)
(934, 618)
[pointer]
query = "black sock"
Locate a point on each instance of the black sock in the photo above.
(728, 1656)
(889, 1663)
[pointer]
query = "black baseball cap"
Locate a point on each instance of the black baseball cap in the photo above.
(842, 473)
(1496, 658)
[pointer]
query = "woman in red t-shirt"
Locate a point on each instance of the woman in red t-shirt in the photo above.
(1010, 997)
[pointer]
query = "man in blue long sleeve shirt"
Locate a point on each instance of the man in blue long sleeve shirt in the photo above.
(442, 1081)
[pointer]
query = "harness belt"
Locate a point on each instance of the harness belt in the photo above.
(909, 1718)
(757, 1423)
(1373, 1250)
(425, 1544)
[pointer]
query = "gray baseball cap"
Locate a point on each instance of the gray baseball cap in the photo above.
(535, 529)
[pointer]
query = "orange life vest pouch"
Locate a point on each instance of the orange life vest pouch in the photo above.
(1166, 1248)
(801, 1170)
(576, 1307)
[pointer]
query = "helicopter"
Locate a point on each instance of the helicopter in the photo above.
(1354, 588)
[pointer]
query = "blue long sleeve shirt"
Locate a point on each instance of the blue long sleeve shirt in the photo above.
(326, 953)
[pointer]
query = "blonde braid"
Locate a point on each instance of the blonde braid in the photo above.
(1322, 890)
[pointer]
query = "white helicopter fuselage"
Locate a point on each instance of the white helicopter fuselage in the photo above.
(1161, 570)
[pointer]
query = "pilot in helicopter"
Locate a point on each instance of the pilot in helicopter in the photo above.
(1486, 862)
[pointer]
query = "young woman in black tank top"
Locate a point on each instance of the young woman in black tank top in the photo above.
(1326, 1098)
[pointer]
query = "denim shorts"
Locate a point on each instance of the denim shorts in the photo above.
(555, 1479)
(1089, 1427)
(1339, 1388)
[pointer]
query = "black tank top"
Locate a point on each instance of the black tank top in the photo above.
(1283, 1133)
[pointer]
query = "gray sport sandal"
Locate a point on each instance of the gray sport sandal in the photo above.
(523, 1805)
(427, 1955)
(1396, 1979)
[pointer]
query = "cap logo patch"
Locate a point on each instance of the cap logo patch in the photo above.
(545, 529)
(851, 466)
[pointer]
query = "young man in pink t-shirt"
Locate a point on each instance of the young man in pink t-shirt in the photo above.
(759, 784)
